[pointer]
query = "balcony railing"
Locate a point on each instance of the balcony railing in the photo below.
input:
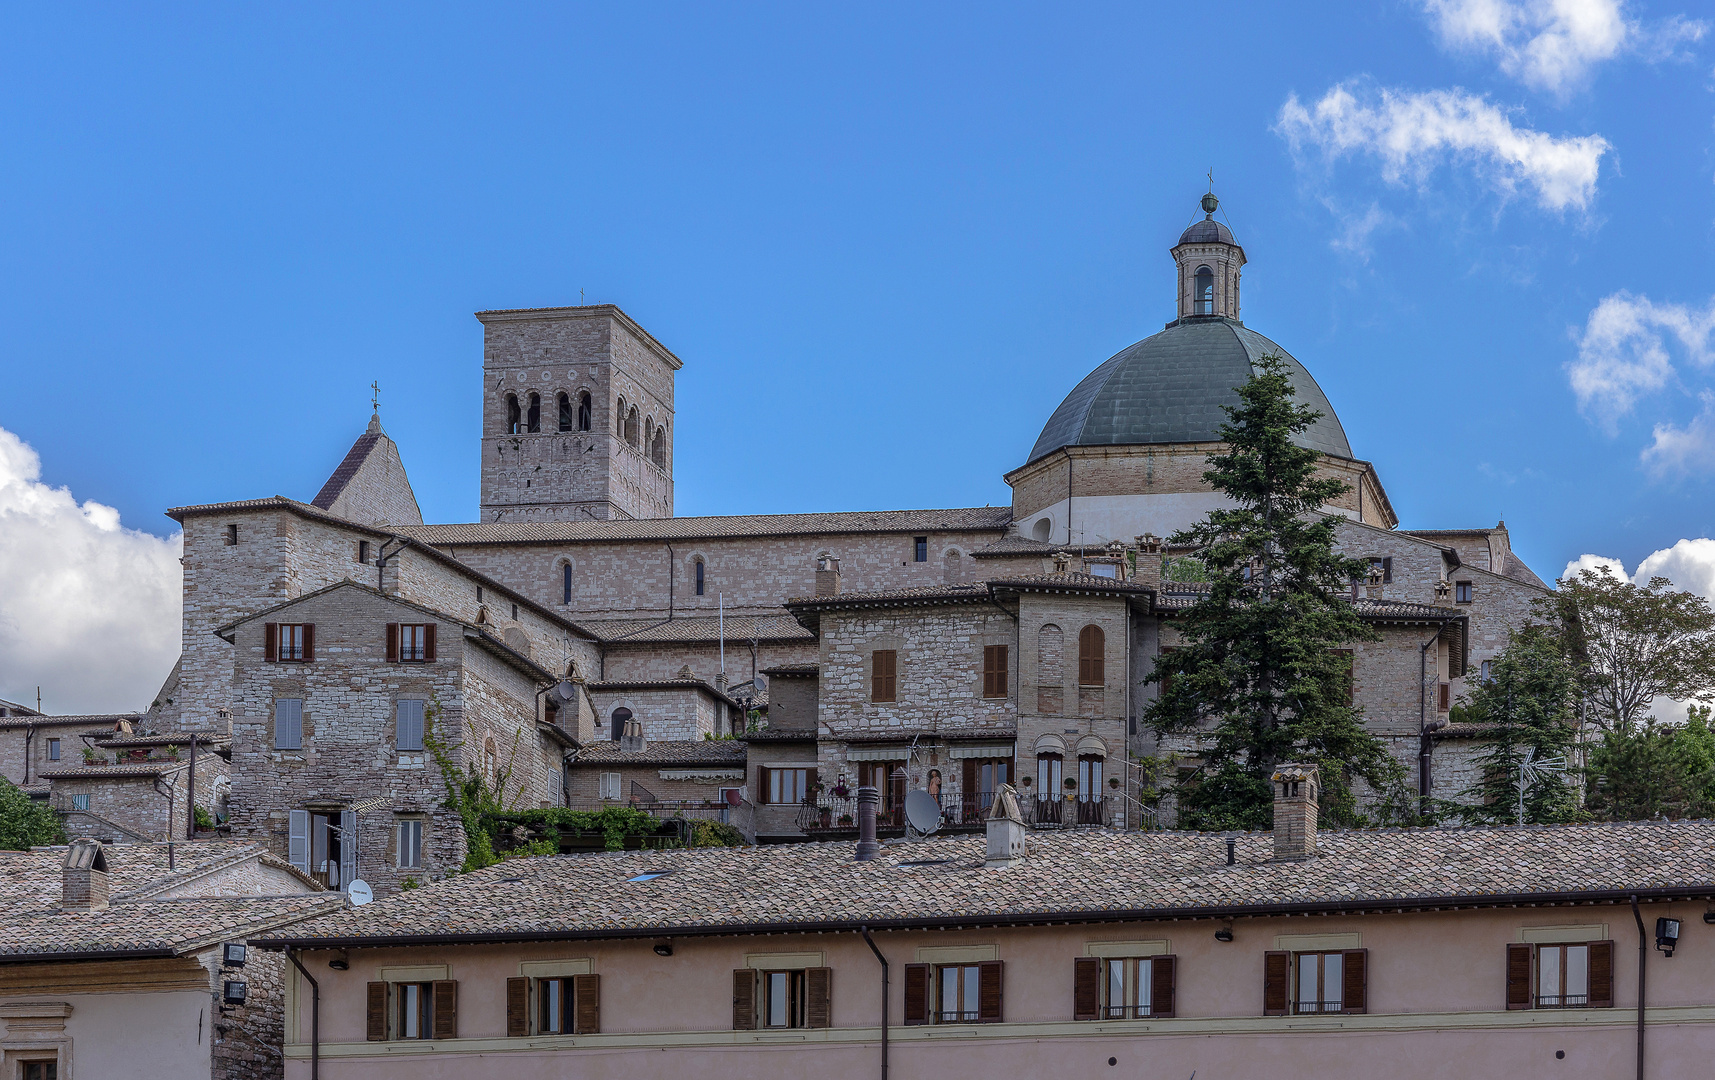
(1086, 811)
(827, 813)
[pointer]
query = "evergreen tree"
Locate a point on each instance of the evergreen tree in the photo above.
(1655, 770)
(25, 823)
(1527, 705)
(1259, 678)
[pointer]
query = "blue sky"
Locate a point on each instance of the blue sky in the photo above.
(885, 242)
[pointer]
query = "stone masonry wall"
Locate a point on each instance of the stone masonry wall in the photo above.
(666, 714)
(641, 663)
(247, 1039)
(1049, 628)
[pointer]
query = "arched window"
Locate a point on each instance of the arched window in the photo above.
(1091, 645)
(491, 758)
(699, 569)
(658, 448)
(513, 416)
(621, 719)
(952, 567)
(1050, 670)
(584, 411)
(648, 432)
(565, 412)
(631, 426)
(1205, 296)
(566, 583)
(619, 418)
(534, 420)
(1042, 529)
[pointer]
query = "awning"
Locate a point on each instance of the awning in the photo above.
(983, 750)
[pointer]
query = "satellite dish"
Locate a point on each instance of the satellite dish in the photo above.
(565, 691)
(360, 892)
(923, 811)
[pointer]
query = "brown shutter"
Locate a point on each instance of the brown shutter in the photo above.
(429, 642)
(1163, 986)
(1601, 974)
(884, 674)
(271, 642)
(1275, 968)
(916, 993)
(818, 994)
(1092, 646)
(309, 642)
(392, 643)
(1387, 570)
(1518, 976)
(446, 1022)
(988, 992)
(586, 1004)
(1086, 988)
(743, 999)
(517, 1005)
(1446, 699)
(1355, 975)
(377, 1008)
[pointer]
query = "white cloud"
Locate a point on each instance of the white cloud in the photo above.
(1623, 355)
(1600, 563)
(1414, 133)
(88, 610)
(1553, 45)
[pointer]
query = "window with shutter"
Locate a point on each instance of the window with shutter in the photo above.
(1275, 968)
(1092, 644)
(989, 992)
(1164, 986)
(1601, 974)
(1445, 701)
(446, 1009)
(1355, 989)
(271, 642)
(377, 1011)
(298, 840)
(917, 993)
(818, 994)
(517, 1008)
(1518, 976)
(309, 642)
(392, 643)
(429, 643)
(994, 671)
(884, 672)
(743, 999)
(586, 997)
(289, 724)
(408, 725)
(1086, 988)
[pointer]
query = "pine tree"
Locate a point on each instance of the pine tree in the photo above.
(1527, 705)
(1260, 678)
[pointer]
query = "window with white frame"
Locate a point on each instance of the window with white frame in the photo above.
(289, 723)
(408, 725)
(1318, 979)
(1126, 987)
(411, 843)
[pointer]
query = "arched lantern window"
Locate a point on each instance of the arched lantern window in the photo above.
(1205, 296)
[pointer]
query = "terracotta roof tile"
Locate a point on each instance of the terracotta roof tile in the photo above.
(781, 627)
(966, 519)
(666, 752)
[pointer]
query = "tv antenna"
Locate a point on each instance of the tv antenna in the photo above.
(1533, 771)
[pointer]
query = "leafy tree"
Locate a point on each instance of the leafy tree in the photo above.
(1633, 644)
(1655, 770)
(1527, 705)
(1258, 679)
(25, 823)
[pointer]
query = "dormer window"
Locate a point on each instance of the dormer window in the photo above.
(1204, 300)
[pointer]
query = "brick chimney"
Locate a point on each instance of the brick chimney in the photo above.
(827, 576)
(1006, 829)
(1296, 788)
(83, 881)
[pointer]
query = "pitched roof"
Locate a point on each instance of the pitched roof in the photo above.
(95, 720)
(1069, 876)
(34, 876)
(152, 927)
(683, 628)
(347, 469)
(616, 686)
(680, 752)
(115, 772)
(966, 519)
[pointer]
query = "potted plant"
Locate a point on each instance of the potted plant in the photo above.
(845, 821)
(91, 757)
(841, 791)
(1071, 786)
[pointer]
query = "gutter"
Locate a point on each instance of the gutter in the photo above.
(867, 940)
(89, 954)
(1643, 953)
(315, 1018)
(1044, 918)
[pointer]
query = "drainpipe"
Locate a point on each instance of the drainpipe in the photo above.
(672, 568)
(1643, 951)
(315, 1018)
(1068, 497)
(1425, 748)
(191, 798)
(867, 940)
(29, 734)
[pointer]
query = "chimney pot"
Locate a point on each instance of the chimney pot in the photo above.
(868, 847)
(1006, 829)
(827, 576)
(83, 881)
(1296, 791)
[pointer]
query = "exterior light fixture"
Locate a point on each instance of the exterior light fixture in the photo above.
(342, 962)
(235, 954)
(663, 948)
(1225, 933)
(1666, 935)
(234, 992)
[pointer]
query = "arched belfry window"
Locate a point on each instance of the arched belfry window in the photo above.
(631, 426)
(534, 420)
(584, 411)
(513, 416)
(658, 448)
(1205, 298)
(700, 585)
(565, 412)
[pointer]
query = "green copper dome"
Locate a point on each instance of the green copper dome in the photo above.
(1169, 388)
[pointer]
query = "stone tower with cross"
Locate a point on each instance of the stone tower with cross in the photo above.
(577, 416)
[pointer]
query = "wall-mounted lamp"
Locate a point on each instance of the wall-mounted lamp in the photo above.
(663, 948)
(1225, 933)
(1666, 935)
(340, 962)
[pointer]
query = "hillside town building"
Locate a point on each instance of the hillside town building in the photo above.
(597, 650)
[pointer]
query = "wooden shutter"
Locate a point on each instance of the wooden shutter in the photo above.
(1086, 988)
(884, 674)
(916, 993)
(1387, 569)
(309, 642)
(1446, 698)
(1601, 974)
(818, 995)
(1163, 985)
(1355, 975)
(586, 1004)
(298, 842)
(1518, 976)
(1275, 968)
(446, 1023)
(1091, 644)
(429, 642)
(988, 992)
(271, 642)
(517, 1007)
(347, 848)
(743, 999)
(377, 1010)
(392, 643)
(994, 671)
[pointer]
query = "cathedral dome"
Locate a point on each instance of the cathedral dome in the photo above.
(1169, 388)
(1207, 231)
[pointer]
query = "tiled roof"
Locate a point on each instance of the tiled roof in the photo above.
(1067, 581)
(842, 733)
(925, 594)
(793, 671)
(1068, 876)
(966, 519)
(615, 686)
(690, 628)
(132, 771)
(33, 877)
(347, 469)
(774, 734)
(1186, 594)
(669, 752)
(161, 927)
(180, 738)
(107, 720)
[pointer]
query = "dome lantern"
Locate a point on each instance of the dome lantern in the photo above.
(1209, 261)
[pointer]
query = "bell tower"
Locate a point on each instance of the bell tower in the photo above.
(577, 416)
(1209, 261)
